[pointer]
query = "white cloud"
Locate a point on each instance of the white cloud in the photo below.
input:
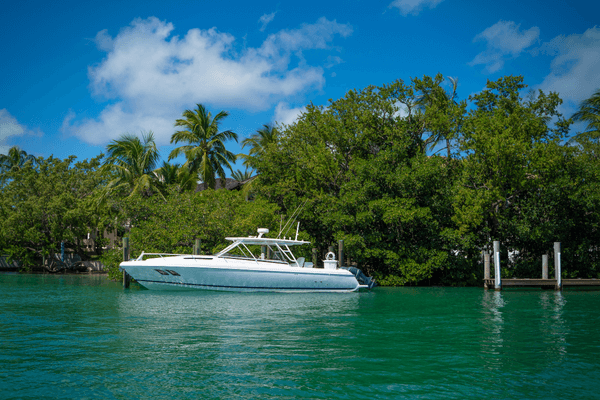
(265, 19)
(151, 76)
(575, 69)
(504, 40)
(286, 115)
(413, 6)
(9, 126)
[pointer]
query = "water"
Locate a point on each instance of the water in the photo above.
(85, 337)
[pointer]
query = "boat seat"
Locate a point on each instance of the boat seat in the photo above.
(300, 261)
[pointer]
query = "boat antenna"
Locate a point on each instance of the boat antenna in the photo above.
(280, 222)
(292, 219)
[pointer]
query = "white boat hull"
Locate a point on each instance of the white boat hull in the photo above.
(211, 273)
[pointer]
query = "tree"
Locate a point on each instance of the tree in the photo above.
(53, 202)
(131, 162)
(205, 152)
(589, 111)
(444, 112)
(179, 176)
(360, 167)
(514, 178)
(258, 142)
(240, 176)
(15, 159)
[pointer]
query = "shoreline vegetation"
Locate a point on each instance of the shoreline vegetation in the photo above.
(415, 180)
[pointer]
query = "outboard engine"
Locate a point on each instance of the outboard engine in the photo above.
(362, 278)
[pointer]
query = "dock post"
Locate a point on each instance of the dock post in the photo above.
(486, 268)
(197, 247)
(126, 278)
(263, 252)
(314, 257)
(545, 266)
(341, 253)
(557, 266)
(497, 279)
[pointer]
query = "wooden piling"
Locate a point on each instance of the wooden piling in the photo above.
(545, 266)
(197, 247)
(486, 268)
(263, 252)
(341, 253)
(557, 266)
(314, 257)
(126, 278)
(497, 278)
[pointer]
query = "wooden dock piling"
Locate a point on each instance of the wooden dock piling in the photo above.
(341, 253)
(557, 266)
(497, 278)
(197, 247)
(486, 268)
(545, 266)
(126, 277)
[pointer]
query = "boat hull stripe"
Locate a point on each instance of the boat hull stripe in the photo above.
(246, 287)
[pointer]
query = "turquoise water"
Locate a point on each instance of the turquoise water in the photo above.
(85, 337)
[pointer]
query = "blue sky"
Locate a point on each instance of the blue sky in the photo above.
(76, 75)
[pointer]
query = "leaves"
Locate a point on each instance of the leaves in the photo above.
(205, 152)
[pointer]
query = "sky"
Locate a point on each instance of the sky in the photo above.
(76, 75)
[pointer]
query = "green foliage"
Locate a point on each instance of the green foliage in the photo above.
(240, 176)
(365, 169)
(171, 226)
(15, 159)
(589, 111)
(131, 162)
(48, 203)
(205, 152)
(258, 142)
(360, 166)
(179, 176)
(111, 259)
(521, 184)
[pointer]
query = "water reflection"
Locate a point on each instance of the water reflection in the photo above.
(240, 339)
(553, 328)
(492, 304)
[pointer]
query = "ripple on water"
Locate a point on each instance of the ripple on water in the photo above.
(73, 337)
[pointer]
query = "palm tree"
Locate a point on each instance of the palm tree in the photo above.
(132, 162)
(174, 174)
(240, 176)
(258, 142)
(15, 159)
(205, 152)
(589, 111)
(168, 173)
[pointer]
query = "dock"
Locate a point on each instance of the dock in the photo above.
(541, 283)
(545, 283)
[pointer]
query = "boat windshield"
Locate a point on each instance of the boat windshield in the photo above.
(267, 251)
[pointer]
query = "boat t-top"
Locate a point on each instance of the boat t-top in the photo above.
(248, 264)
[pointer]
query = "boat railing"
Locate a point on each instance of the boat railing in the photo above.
(161, 255)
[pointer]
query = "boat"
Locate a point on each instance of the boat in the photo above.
(248, 264)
